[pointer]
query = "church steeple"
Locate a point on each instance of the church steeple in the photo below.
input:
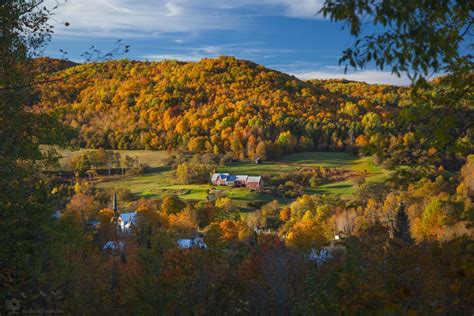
(116, 217)
(114, 203)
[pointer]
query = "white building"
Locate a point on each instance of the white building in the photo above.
(126, 221)
(194, 242)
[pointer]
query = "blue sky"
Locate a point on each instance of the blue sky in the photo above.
(286, 35)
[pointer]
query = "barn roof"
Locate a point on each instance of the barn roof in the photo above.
(254, 179)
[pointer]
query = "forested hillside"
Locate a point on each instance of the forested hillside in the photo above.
(214, 105)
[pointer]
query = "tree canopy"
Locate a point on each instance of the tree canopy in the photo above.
(420, 39)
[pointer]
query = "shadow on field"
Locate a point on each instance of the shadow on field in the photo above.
(152, 170)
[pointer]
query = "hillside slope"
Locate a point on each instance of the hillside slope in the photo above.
(218, 105)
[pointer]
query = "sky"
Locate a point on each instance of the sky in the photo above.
(286, 35)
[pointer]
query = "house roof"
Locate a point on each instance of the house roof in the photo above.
(319, 257)
(93, 223)
(185, 243)
(193, 242)
(223, 176)
(254, 179)
(113, 245)
(230, 177)
(128, 218)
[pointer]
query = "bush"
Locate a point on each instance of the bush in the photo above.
(359, 180)
(376, 159)
(227, 158)
(315, 182)
(388, 163)
(256, 203)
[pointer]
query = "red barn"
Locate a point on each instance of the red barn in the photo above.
(241, 180)
(254, 183)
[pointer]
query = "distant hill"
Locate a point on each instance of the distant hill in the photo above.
(51, 65)
(216, 105)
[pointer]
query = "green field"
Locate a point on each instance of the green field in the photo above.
(332, 159)
(344, 160)
(161, 181)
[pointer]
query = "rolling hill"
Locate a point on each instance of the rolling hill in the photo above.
(216, 105)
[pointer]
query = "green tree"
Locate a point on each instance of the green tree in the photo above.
(261, 150)
(286, 141)
(418, 38)
(183, 173)
(172, 204)
(27, 230)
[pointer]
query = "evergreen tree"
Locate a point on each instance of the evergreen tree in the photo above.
(401, 226)
(27, 233)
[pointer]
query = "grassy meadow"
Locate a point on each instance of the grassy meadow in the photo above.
(161, 182)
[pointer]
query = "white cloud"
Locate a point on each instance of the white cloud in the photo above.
(137, 18)
(141, 18)
(245, 50)
(180, 57)
(181, 20)
(173, 9)
(369, 76)
(302, 8)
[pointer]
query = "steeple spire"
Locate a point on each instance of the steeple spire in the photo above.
(114, 203)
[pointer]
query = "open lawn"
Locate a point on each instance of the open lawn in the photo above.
(161, 181)
(333, 159)
(336, 159)
(306, 159)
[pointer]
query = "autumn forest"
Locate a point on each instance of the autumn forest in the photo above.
(225, 187)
